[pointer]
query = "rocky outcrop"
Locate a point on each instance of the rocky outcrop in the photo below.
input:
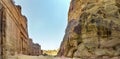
(93, 29)
(50, 52)
(34, 48)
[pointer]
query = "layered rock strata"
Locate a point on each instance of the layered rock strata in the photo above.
(14, 37)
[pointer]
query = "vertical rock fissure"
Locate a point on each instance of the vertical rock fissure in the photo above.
(1, 33)
(4, 49)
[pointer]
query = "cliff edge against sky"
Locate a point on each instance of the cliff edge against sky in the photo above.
(93, 29)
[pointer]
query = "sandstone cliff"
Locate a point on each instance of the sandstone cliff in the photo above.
(14, 38)
(93, 29)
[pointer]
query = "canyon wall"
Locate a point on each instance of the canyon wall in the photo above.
(93, 29)
(14, 38)
(34, 48)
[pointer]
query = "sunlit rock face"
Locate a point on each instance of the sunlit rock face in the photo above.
(93, 29)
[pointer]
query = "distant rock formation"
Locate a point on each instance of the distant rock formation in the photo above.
(34, 48)
(50, 52)
(93, 29)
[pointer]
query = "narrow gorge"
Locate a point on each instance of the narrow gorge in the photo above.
(92, 32)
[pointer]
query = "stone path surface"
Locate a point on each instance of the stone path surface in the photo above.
(35, 57)
(51, 57)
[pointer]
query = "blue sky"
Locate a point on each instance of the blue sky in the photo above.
(47, 20)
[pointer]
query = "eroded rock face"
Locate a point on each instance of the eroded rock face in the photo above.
(93, 29)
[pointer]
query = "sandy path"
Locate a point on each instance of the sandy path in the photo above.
(35, 57)
(51, 57)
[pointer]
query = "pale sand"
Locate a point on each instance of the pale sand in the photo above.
(36, 57)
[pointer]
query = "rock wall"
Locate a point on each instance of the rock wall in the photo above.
(14, 37)
(34, 48)
(93, 29)
(2, 32)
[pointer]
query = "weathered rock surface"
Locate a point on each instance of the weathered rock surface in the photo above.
(93, 29)
(14, 37)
